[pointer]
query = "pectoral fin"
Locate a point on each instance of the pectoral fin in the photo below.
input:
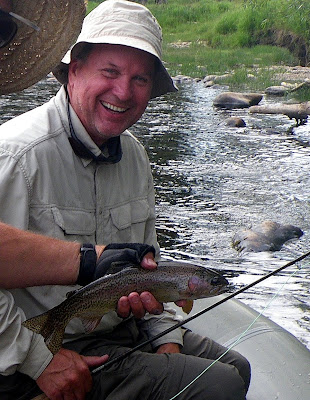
(90, 324)
(187, 308)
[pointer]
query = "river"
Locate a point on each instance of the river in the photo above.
(212, 180)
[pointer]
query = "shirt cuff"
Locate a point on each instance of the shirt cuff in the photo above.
(38, 358)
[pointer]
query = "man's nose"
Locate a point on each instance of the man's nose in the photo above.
(123, 89)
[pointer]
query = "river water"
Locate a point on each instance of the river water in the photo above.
(212, 180)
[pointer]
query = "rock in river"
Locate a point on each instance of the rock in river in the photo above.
(237, 100)
(268, 236)
(299, 111)
(235, 122)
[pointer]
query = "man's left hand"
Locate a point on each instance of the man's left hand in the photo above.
(168, 348)
(145, 302)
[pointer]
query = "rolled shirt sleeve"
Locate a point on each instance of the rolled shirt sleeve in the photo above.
(155, 324)
(20, 349)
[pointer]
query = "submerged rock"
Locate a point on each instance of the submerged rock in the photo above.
(268, 236)
(235, 122)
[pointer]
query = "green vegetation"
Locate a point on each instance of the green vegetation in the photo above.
(242, 36)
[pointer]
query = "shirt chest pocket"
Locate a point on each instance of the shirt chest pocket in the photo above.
(74, 224)
(128, 221)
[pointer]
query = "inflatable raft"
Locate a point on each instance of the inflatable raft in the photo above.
(280, 362)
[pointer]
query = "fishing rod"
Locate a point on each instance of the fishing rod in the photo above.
(179, 324)
(185, 321)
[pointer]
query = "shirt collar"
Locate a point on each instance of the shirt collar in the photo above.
(84, 146)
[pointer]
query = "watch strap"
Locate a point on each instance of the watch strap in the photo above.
(88, 262)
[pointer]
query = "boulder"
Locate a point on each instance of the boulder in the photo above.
(276, 91)
(285, 88)
(237, 100)
(268, 236)
(235, 122)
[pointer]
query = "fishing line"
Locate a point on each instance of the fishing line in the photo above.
(185, 321)
(239, 338)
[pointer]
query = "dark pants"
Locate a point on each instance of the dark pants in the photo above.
(145, 375)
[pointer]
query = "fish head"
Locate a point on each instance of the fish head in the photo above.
(206, 283)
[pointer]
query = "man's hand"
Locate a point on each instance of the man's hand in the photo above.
(67, 377)
(117, 256)
(145, 302)
(168, 348)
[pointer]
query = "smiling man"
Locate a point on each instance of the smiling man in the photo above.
(70, 169)
(110, 90)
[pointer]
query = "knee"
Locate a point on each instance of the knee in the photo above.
(217, 380)
(227, 384)
(244, 368)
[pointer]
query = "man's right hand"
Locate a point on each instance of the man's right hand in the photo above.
(68, 377)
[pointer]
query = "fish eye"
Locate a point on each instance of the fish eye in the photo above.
(216, 280)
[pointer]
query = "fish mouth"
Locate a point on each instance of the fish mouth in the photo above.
(112, 107)
(219, 280)
(223, 289)
(230, 288)
(216, 290)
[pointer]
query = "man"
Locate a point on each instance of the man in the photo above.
(55, 261)
(80, 175)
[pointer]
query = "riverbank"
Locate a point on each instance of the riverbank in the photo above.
(292, 84)
(246, 40)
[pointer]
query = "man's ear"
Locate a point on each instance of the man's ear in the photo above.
(73, 67)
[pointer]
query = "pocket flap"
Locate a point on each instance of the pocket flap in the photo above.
(130, 213)
(74, 222)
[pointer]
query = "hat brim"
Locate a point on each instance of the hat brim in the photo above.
(162, 84)
(31, 55)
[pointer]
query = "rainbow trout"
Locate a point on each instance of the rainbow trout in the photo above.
(170, 282)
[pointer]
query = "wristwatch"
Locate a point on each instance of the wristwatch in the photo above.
(88, 262)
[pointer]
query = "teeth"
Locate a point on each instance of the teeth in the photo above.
(113, 108)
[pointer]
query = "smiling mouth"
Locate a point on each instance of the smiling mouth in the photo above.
(113, 108)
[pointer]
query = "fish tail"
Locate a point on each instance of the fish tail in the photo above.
(51, 330)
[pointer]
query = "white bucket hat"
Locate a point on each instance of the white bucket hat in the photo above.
(31, 54)
(124, 23)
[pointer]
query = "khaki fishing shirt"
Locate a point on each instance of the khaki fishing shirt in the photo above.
(45, 187)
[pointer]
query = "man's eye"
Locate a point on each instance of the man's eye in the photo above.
(141, 80)
(110, 72)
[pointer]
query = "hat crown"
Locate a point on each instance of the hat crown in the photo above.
(30, 55)
(122, 22)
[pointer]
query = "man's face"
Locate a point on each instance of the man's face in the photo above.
(111, 89)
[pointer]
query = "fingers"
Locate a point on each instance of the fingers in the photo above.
(148, 261)
(150, 304)
(94, 361)
(138, 305)
(168, 348)
(181, 303)
(123, 307)
(131, 304)
(67, 377)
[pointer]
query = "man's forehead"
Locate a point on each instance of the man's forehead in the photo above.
(118, 54)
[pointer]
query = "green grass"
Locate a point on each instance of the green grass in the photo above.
(216, 36)
(91, 5)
